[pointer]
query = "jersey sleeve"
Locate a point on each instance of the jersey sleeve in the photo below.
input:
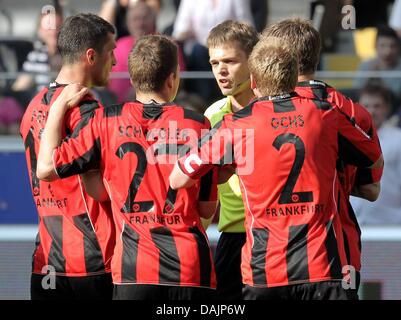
(80, 153)
(367, 175)
(78, 117)
(208, 186)
(211, 151)
(356, 147)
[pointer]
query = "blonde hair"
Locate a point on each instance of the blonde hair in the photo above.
(274, 66)
(304, 38)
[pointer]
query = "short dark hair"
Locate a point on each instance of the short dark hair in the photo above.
(302, 37)
(233, 31)
(151, 61)
(388, 32)
(81, 32)
(375, 88)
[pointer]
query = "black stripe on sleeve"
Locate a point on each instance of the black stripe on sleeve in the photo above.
(169, 261)
(363, 176)
(89, 160)
(332, 252)
(82, 123)
(130, 241)
(320, 92)
(205, 263)
(297, 253)
(92, 252)
(258, 259)
(322, 105)
(207, 137)
(48, 96)
(88, 106)
(351, 154)
(206, 186)
(54, 226)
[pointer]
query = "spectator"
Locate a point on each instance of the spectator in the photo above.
(387, 59)
(141, 21)
(115, 12)
(44, 58)
(10, 115)
(387, 208)
(194, 21)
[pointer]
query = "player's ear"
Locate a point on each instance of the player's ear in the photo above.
(170, 80)
(253, 82)
(90, 56)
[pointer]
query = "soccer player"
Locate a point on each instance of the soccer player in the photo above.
(230, 43)
(305, 40)
(76, 235)
(162, 251)
(293, 248)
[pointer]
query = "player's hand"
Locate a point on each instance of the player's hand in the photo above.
(72, 95)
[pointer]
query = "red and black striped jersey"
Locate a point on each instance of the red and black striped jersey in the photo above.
(160, 236)
(347, 173)
(285, 151)
(76, 234)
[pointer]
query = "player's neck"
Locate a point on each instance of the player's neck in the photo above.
(240, 100)
(306, 77)
(74, 73)
(149, 97)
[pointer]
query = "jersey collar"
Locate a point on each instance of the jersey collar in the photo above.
(311, 83)
(284, 96)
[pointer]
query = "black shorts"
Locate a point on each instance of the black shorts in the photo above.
(161, 292)
(228, 265)
(98, 287)
(325, 290)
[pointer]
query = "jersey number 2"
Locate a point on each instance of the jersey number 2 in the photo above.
(288, 195)
(130, 204)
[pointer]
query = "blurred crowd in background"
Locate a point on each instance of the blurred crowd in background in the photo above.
(368, 41)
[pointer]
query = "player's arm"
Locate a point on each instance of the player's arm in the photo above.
(52, 134)
(211, 149)
(356, 147)
(208, 194)
(367, 183)
(368, 192)
(94, 186)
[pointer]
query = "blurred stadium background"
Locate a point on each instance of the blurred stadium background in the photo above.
(343, 51)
